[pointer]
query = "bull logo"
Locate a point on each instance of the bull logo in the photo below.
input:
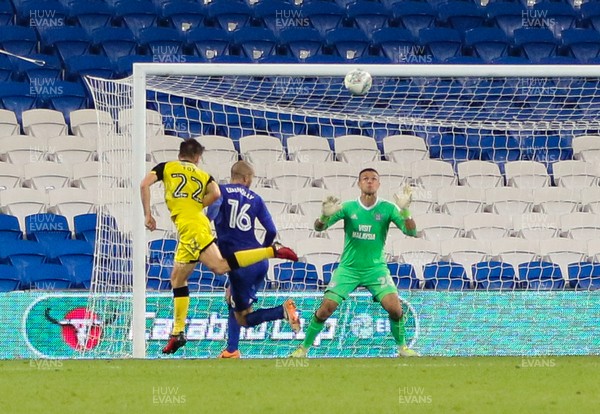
(81, 329)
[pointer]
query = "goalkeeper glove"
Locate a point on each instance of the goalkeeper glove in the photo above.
(403, 201)
(331, 205)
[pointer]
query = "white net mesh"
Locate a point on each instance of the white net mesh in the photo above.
(471, 148)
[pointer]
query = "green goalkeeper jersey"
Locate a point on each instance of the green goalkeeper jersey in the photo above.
(366, 230)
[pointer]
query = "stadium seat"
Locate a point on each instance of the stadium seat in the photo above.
(22, 254)
(405, 149)
(459, 201)
(163, 148)
(488, 43)
(209, 42)
(36, 75)
(590, 199)
(392, 178)
(584, 276)
(162, 251)
(403, 275)
(509, 200)
(296, 276)
(203, 280)
(70, 202)
(323, 16)
(535, 43)
(66, 42)
(526, 174)
(163, 43)
(318, 251)
(10, 175)
(479, 174)
(183, 16)
(486, 226)
(580, 225)
(154, 122)
(368, 15)
(19, 40)
(433, 174)
(356, 149)
(7, 14)
(414, 15)
(277, 201)
(136, 15)
(74, 255)
(88, 122)
(44, 123)
(445, 276)
(47, 276)
(22, 149)
(335, 176)
(309, 148)
(590, 14)
(22, 202)
(556, 200)
(514, 250)
(8, 123)
(561, 15)
(582, 44)
(219, 149)
(229, 15)
(84, 227)
(6, 68)
(47, 228)
(278, 15)
(114, 42)
(292, 227)
(442, 43)
(286, 175)
(464, 251)
(66, 97)
(261, 149)
(536, 226)
(43, 15)
(439, 226)
(494, 275)
(349, 43)
(302, 42)
(256, 42)
(10, 279)
(541, 275)
(461, 15)
(9, 229)
(88, 65)
(46, 175)
(507, 16)
(19, 96)
(91, 15)
(308, 201)
(70, 149)
(575, 174)
(417, 252)
(563, 251)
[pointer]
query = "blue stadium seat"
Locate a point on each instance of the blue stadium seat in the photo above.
(328, 269)
(66, 42)
(125, 63)
(47, 276)
(296, 276)
(9, 229)
(488, 43)
(280, 59)
(279, 15)
(43, 15)
(557, 16)
(183, 16)
(590, 14)
(9, 278)
(584, 276)
(303, 42)
(47, 228)
(541, 275)
(442, 43)
(582, 44)
(414, 15)
(507, 16)
(368, 15)
(66, 97)
(88, 65)
(256, 42)
(91, 15)
(445, 276)
(136, 15)
(535, 44)
(19, 97)
(511, 60)
(81, 274)
(209, 42)
(372, 60)
(397, 44)
(50, 72)
(349, 43)
(77, 256)
(18, 40)
(85, 227)
(461, 15)
(7, 14)
(6, 69)
(22, 253)
(465, 60)
(232, 59)
(323, 16)
(163, 43)
(158, 277)
(114, 42)
(404, 275)
(203, 279)
(494, 275)
(162, 251)
(229, 15)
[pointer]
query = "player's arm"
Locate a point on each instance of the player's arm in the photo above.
(152, 177)
(266, 220)
(331, 212)
(402, 217)
(213, 193)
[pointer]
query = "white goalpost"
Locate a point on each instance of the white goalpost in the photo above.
(462, 112)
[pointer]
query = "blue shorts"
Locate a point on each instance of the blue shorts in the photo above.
(245, 282)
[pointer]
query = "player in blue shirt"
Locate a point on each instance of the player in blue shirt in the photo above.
(234, 215)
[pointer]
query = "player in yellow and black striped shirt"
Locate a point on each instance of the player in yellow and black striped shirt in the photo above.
(188, 189)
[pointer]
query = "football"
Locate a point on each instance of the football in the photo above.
(358, 82)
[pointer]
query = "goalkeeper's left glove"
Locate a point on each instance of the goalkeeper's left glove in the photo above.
(331, 205)
(403, 201)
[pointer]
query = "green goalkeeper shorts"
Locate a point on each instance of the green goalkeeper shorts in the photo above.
(344, 281)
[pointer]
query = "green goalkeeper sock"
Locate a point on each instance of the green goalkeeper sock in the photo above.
(398, 331)
(314, 328)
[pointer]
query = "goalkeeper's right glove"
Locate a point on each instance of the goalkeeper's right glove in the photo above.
(331, 205)
(403, 201)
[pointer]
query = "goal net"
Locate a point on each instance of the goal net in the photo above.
(504, 207)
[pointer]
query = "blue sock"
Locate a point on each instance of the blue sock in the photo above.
(233, 332)
(264, 315)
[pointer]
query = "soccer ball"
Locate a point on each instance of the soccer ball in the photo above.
(358, 82)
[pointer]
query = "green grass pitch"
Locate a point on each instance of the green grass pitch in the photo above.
(378, 385)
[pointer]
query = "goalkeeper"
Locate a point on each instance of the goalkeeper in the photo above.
(366, 224)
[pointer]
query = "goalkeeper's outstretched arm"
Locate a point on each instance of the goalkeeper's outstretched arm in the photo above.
(406, 223)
